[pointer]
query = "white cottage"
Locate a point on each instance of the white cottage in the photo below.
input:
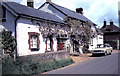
(63, 12)
(24, 22)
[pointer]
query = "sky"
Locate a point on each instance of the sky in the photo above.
(95, 10)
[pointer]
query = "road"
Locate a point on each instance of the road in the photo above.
(99, 65)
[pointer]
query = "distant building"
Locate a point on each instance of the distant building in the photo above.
(111, 34)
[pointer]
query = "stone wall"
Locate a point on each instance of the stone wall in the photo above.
(50, 56)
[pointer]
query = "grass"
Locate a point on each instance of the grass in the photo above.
(30, 67)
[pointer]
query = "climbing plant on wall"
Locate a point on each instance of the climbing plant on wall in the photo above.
(82, 30)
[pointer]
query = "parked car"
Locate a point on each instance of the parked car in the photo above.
(102, 49)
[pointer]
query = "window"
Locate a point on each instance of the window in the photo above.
(107, 29)
(3, 13)
(34, 41)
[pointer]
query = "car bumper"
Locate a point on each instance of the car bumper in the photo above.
(98, 52)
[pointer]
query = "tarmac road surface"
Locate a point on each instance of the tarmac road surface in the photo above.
(100, 65)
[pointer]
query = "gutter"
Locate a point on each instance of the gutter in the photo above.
(16, 34)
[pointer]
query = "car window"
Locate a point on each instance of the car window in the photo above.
(103, 46)
(100, 46)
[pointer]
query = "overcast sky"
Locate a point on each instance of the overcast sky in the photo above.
(95, 10)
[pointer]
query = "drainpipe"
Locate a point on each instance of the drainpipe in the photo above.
(15, 55)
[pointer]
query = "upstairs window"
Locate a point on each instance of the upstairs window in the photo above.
(2, 13)
(34, 42)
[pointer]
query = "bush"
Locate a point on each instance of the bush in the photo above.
(29, 67)
(8, 42)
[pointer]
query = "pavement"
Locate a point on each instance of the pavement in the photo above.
(87, 56)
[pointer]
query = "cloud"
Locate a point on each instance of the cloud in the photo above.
(24, 2)
(103, 9)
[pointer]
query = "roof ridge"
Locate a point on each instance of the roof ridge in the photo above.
(63, 7)
(84, 18)
(25, 10)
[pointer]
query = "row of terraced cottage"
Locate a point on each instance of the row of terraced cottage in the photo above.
(36, 30)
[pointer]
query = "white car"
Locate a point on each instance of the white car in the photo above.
(102, 49)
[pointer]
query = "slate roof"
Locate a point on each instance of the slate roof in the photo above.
(112, 28)
(32, 12)
(71, 13)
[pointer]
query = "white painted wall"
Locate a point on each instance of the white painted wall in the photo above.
(55, 44)
(97, 40)
(23, 27)
(100, 39)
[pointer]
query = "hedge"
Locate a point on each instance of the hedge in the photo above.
(29, 67)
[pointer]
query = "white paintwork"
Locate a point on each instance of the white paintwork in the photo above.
(48, 45)
(100, 39)
(23, 27)
(55, 44)
(95, 41)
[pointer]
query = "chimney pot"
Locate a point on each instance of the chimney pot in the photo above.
(79, 10)
(48, 1)
(30, 3)
(104, 23)
(111, 22)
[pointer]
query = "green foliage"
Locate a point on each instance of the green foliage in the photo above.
(30, 67)
(8, 42)
(81, 30)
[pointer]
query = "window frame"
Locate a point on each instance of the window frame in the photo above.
(3, 13)
(38, 41)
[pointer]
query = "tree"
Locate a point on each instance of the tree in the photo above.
(81, 31)
(8, 42)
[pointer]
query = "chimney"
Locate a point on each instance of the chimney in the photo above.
(111, 22)
(105, 23)
(48, 1)
(79, 10)
(30, 3)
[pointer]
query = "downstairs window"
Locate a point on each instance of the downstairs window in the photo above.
(34, 42)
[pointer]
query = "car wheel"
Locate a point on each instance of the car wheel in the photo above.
(93, 54)
(105, 53)
(110, 53)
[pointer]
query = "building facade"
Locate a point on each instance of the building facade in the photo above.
(78, 18)
(111, 34)
(26, 24)
(45, 29)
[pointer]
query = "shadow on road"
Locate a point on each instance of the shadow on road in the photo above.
(98, 55)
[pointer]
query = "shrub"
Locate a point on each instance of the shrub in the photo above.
(30, 67)
(8, 42)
